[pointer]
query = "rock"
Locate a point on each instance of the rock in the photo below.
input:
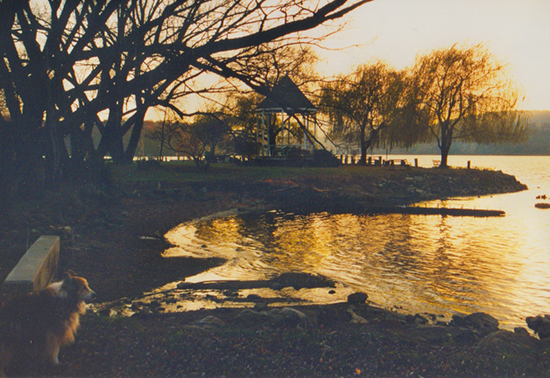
(419, 319)
(544, 331)
(482, 321)
(288, 316)
(540, 324)
(107, 312)
(277, 286)
(439, 334)
(254, 297)
(461, 332)
(394, 319)
(357, 298)
(250, 317)
(433, 317)
(479, 321)
(505, 341)
(409, 319)
(459, 321)
(463, 336)
(434, 334)
(521, 331)
(534, 322)
(231, 293)
(260, 306)
(356, 319)
(153, 304)
(143, 314)
(210, 321)
(302, 280)
(285, 316)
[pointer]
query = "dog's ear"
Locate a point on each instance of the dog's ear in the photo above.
(68, 275)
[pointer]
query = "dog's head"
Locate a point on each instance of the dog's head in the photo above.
(76, 287)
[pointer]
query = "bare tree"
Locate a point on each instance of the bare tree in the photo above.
(462, 93)
(193, 140)
(70, 67)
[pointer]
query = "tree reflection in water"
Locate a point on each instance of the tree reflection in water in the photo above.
(433, 264)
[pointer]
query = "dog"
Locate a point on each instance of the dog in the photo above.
(34, 326)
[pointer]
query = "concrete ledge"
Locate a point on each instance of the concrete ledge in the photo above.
(37, 267)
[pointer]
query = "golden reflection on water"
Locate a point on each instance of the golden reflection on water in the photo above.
(434, 264)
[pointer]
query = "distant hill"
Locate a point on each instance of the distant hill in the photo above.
(536, 143)
(539, 117)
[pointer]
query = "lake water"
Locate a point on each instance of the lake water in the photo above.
(418, 264)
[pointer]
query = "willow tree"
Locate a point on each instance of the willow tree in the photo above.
(362, 105)
(463, 93)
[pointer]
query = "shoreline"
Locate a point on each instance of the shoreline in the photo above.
(104, 246)
(100, 230)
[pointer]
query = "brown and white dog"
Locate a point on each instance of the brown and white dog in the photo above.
(34, 326)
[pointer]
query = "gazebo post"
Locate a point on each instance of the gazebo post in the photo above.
(286, 99)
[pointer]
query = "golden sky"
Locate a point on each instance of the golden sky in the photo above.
(516, 31)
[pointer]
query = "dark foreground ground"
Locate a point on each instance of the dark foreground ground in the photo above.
(101, 232)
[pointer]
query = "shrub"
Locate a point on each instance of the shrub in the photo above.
(324, 158)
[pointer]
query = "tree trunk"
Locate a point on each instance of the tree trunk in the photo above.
(364, 146)
(445, 145)
(444, 155)
(134, 138)
(6, 175)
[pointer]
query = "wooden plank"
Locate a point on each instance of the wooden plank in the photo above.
(36, 269)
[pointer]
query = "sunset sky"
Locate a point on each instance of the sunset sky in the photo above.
(517, 32)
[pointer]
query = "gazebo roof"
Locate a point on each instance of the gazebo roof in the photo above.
(286, 96)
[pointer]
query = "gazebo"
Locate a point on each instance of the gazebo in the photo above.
(286, 120)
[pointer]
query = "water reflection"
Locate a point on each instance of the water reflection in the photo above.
(433, 264)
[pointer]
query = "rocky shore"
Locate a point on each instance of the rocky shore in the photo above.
(113, 237)
(348, 339)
